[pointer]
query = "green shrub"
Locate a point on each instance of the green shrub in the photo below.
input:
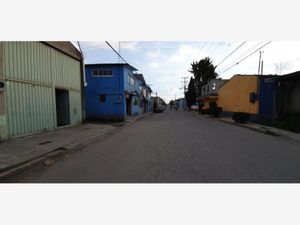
(240, 117)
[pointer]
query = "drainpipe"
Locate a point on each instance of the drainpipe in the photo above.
(83, 80)
(83, 70)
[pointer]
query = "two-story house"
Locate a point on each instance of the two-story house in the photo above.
(112, 91)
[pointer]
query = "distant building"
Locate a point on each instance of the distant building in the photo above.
(180, 103)
(145, 94)
(113, 91)
(40, 87)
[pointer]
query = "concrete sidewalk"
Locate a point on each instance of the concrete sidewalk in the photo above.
(264, 129)
(20, 153)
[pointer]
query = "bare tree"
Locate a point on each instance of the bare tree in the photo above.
(280, 67)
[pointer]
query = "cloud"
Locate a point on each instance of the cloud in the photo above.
(131, 45)
(183, 53)
(153, 54)
(124, 45)
(153, 64)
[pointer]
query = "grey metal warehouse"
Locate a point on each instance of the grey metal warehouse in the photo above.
(40, 87)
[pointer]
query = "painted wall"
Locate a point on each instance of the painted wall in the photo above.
(234, 95)
(295, 98)
(32, 71)
(135, 108)
(267, 98)
(113, 89)
(3, 117)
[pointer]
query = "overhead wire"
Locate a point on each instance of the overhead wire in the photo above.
(243, 54)
(237, 63)
(231, 53)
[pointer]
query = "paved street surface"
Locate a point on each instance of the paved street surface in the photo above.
(177, 146)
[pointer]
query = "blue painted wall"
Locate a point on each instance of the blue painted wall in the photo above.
(267, 88)
(135, 110)
(111, 87)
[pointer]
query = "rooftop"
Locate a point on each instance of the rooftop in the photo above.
(113, 64)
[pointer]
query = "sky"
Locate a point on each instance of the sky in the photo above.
(164, 64)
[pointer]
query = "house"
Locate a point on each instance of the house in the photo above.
(40, 87)
(180, 103)
(209, 92)
(112, 93)
(253, 94)
(239, 94)
(145, 94)
(279, 96)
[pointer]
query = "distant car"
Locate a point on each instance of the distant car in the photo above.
(159, 109)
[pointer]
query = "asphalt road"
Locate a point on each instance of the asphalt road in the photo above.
(178, 147)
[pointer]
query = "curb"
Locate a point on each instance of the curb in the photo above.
(23, 166)
(264, 131)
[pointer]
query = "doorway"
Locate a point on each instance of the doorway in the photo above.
(128, 105)
(62, 107)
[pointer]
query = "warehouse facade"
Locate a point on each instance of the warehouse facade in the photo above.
(40, 87)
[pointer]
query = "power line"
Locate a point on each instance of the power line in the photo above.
(246, 57)
(231, 53)
(243, 54)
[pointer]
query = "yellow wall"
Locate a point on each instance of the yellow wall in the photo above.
(234, 95)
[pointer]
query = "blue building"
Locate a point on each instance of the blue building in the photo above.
(112, 91)
(145, 94)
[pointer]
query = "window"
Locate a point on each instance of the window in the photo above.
(95, 72)
(214, 86)
(102, 73)
(102, 98)
(130, 80)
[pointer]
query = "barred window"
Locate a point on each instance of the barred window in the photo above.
(102, 73)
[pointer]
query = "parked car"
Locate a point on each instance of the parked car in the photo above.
(159, 109)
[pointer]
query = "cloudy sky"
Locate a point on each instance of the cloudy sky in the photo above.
(165, 63)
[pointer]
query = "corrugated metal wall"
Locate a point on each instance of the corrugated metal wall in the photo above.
(32, 71)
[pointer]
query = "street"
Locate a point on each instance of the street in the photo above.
(177, 147)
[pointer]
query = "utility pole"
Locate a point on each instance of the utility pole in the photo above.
(259, 63)
(262, 67)
(185, 81)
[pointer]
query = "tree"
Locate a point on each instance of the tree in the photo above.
(190, 95)
(203, 71)
(281, 66)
